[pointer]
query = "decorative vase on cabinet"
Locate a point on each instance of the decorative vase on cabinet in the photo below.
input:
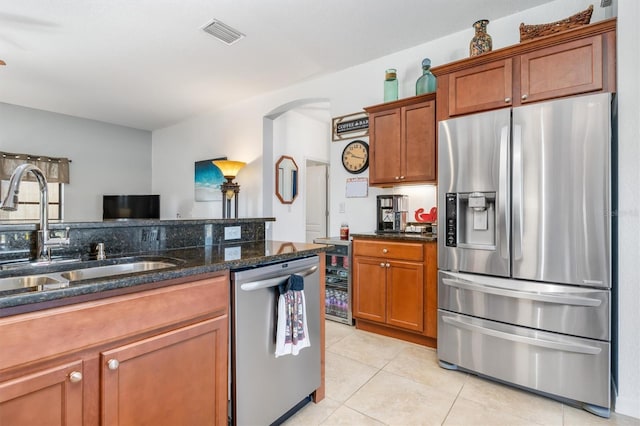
(427, 81)
(481, 41)
(390, 85)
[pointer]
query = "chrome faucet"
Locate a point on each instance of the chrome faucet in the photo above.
(10, 202)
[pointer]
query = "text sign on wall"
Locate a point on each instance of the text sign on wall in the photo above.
(350, 126)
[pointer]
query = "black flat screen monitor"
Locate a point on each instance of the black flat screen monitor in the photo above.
(121, 207)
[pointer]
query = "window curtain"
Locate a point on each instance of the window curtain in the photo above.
(56, 170)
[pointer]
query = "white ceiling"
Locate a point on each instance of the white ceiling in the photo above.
(147, 64)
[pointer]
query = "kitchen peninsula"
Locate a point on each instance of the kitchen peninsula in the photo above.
(116, 348)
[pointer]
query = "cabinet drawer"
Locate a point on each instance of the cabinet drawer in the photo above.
(388, 250)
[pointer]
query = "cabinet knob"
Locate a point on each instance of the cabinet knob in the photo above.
(507, 100)
(401, 177)
(387, 265)
(397, 178)
(382, 264)
(75, 377)
(524, 97)
(385, 250)
(113, 364)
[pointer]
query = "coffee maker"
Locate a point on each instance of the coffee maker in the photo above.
(392, 213)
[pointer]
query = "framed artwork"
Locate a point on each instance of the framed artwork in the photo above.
(208, 179)
(350, 126)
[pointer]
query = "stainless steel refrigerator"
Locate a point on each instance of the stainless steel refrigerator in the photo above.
(524, 247)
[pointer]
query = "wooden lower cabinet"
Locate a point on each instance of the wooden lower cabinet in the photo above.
(394, 289)
(174, 378)
(52, 396)
(160, 358)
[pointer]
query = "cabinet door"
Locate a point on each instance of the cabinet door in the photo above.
(563, 70)
(179, 377)
(481, 88)
(405, 295)
(418, 148)
(384, 134)
(49, 397)
(369, 289)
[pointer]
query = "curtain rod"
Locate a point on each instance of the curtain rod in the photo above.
(35, 157)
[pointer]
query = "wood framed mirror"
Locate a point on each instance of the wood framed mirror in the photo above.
(286, 179)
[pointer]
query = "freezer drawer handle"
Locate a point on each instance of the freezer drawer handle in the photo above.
(272, 282)
(566, 347)
(540, 297)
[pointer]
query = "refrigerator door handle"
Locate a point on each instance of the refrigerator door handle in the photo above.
(503, 193)
(517, 192)
(523, 295)
(566, 347)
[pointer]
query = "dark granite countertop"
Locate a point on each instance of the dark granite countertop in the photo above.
(190, 261)
(402, 236)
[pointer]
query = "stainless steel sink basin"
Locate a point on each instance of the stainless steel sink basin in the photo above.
(32, 282)
(52, 280)
(109, 270)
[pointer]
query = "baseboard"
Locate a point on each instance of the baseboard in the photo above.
(396, 333)
(627, 407)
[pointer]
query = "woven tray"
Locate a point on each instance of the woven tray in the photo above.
(529, 32)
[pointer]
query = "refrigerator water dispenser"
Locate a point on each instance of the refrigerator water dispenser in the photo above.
(471, 219)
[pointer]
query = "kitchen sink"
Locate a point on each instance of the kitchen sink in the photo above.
(31, 283)
(53, 280)
(109, 270)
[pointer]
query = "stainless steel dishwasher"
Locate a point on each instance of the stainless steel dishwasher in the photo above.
(264, 389)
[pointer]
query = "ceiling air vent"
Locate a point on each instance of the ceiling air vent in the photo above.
(223, 32)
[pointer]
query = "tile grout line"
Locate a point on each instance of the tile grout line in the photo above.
(466, 379)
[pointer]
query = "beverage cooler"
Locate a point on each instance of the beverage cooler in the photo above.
(338, 280)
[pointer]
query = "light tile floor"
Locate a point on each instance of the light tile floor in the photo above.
(377, 380)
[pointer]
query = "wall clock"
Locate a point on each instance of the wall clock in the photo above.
(355, 157)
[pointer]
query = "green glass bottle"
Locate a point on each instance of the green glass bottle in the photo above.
(427, 82)
(390, 85)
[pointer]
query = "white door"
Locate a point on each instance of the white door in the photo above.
(316, 200)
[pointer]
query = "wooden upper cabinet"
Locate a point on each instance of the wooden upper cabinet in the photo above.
(384, 146)
(573, 62)
(419, 142)
(563, 70)
(402, 141)
(481, 88)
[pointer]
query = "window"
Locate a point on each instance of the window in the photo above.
(56, 172)
(29, 202)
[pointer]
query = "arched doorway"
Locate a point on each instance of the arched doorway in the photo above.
(300, 129)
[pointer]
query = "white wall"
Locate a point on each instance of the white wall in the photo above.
(302, 138)
(629, 207)
(106, 159)
(237, 132)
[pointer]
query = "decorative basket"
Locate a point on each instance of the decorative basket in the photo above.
(529, 32)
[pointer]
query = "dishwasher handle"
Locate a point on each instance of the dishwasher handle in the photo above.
(272, 282)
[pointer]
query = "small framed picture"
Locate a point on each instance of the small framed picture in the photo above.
(350, 126)
(208, 179)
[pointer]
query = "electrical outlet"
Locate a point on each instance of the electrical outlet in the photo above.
(232, 253)
(232, 233)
